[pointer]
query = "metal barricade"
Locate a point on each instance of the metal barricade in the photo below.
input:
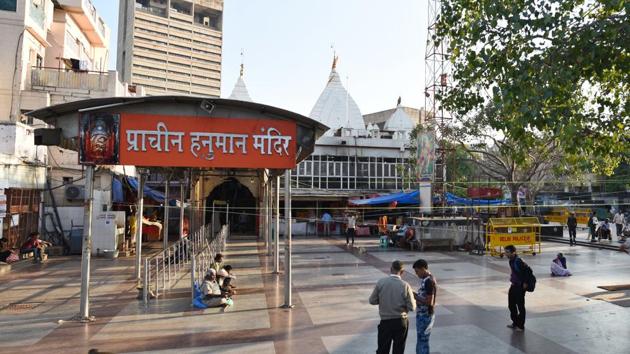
(161, 271)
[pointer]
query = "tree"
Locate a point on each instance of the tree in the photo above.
(530, 161)
(556, 69)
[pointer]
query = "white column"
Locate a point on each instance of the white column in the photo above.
(139, 213)
(181, 209)
(276, 235)
(269, 216)
(165, 229)
(287, 243)
(87, 245)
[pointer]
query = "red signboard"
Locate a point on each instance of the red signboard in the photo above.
(173, 141)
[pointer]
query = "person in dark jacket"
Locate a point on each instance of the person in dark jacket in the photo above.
(572, 225)
(516, 294)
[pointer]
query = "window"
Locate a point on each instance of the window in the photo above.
(8, 5)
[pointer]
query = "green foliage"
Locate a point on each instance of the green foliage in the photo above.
(552, 69)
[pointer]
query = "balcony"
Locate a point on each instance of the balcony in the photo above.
(84, 14)
(54, 79)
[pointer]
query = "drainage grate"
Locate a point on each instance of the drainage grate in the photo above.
(21, 307)
(448, 269)
(338, 274)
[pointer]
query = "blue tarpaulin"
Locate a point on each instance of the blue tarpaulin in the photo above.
(117, 191)
(413, 198)
(452, 199)
(401, 198)
(150, 192)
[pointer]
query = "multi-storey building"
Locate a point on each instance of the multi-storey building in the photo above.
(54, 52)
(171, 47)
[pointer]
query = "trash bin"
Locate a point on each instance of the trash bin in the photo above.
(76, 241)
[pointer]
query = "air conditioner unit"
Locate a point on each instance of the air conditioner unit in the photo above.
(74, 192)
(206, 21)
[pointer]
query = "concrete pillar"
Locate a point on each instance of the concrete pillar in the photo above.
(87, 245)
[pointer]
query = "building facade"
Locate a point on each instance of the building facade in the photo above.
(171, 46)
(55, 52)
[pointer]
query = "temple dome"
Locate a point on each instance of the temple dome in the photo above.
(399, 121)
(336, 108)
(240, 90)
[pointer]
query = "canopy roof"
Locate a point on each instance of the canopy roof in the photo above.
(65, 116)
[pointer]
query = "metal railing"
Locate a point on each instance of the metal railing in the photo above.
(61, 78)
(161, 271)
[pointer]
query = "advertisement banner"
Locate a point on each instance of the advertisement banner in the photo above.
(180, 141)
(425, 155)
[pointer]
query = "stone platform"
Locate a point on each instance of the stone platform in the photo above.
(331, 315)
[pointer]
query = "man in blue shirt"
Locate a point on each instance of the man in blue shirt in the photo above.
(326, 219)
(425, 300)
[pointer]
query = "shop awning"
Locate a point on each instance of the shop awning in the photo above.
(400, 198)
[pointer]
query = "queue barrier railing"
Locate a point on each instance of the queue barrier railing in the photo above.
(161, 271)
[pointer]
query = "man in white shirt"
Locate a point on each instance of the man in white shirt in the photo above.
(619, 220)
(351, 229)
(212, 295)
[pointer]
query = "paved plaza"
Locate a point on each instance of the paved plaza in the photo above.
(331, 315)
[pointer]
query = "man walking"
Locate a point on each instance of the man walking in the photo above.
(425, 298)
(351, 228)
(395, 299)
(516, 294)
(619, 220)
(572, 225)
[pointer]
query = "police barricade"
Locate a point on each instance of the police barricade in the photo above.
(501, 232)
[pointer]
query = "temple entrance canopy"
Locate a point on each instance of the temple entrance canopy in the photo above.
(202, 141)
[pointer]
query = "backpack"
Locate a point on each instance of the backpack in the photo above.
(590, 222)
(528, 275)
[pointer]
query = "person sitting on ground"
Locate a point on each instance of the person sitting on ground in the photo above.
(559, 266)
(225, 279)
(5, 251)
(603, 232)
(35, 245)
(218, 262)
(212, 294)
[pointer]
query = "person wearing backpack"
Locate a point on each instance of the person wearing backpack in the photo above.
(518, 287)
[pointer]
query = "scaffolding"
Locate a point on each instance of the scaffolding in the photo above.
(437, 84)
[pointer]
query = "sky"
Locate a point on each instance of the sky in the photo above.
(288, 54)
